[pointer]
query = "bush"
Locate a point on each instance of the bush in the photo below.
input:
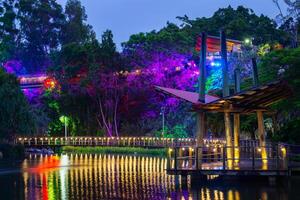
(114, 150)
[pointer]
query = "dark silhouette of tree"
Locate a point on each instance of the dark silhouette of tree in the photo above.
(8, 30)
(76, 29)
(15, 117)
(40, 26)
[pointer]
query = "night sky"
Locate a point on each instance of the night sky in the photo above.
(126, 17)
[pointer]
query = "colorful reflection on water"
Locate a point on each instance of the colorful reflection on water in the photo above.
(78, 176)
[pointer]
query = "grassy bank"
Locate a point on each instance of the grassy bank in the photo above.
(114, 150)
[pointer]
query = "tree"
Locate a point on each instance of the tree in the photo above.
(75, 29)
(110, 58)
(40, 24)
(284, 64)
(238, 24)
(290, 22)
(107, 90)
(15, 116)
(8, 30)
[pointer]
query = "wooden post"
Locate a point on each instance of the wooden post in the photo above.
(181, 154)
(201, 115)
(175, 159)
(261, 134)
(200, 134)
(236, 136)
(228, 136)
(224, 64)
(237, 79)
(191, 150)
(254, 72)
(202, 70)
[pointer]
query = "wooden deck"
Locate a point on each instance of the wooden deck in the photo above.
(214, 161)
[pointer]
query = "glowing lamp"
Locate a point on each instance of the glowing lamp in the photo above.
(49, 83)
(247, 41)
(215, 64)
(259, 149)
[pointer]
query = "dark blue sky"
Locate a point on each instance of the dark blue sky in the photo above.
(126, 17)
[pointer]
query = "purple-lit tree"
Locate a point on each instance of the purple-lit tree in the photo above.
(107, 89)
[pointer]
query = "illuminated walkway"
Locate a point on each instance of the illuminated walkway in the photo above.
(123, 141)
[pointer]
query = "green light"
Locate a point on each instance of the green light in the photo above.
(247, 41)
(64, 119)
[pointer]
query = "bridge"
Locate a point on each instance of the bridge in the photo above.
(185, 158)
(112, 141)
(151, 142)
(36, 81)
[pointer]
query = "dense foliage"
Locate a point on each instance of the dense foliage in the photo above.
(284, 64)
(106, 92)
(15, 116)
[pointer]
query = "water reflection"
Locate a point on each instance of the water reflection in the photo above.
(79, 176)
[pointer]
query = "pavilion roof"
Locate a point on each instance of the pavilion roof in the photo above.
(191, 97)
(246, 101)
(252, 99)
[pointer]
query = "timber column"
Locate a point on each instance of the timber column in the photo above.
(262, 137)
(236, 137)
(236, 117)
(228, 129)
(201, 114)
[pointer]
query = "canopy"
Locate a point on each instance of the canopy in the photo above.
(191, 97)
(246, 101)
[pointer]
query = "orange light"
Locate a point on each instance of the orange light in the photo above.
(49, 83)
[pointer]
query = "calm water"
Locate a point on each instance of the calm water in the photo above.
(121, 177)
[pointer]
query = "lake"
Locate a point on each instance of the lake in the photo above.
(84, 176)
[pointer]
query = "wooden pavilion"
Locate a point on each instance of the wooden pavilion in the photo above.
(254, 100)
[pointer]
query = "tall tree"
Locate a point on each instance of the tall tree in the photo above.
(76, 29)
(8, 30)
(40, 25)
(109, 54)
(290, 21)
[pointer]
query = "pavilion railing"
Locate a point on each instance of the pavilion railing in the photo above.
(271, 157)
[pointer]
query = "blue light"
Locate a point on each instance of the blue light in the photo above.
(215, 64)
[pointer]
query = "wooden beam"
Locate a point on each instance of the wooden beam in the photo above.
(200, 135)
(228, 137)
(202, 78)
(262, 136)
(236, 136)
(224, 64)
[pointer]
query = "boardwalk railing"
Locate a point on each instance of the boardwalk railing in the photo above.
(112, 141)
(124, 141)
(275, 157)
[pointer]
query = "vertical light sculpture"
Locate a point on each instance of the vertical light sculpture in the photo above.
(228, 129)
(201, 114)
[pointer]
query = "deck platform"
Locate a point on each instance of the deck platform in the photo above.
(203, 161)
